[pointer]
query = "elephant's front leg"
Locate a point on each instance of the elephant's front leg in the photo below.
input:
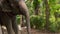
(14, 24)
(8, 23)
(9, 27)
(0, 30)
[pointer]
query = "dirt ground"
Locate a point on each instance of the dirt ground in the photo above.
(33, 31)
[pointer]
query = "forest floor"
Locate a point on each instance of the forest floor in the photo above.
(33, 31)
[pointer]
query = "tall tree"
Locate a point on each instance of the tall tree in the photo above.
(47, 12)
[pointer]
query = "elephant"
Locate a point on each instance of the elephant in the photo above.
(16, 8)
(22, 10)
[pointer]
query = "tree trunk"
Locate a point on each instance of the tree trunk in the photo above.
(47, 12)
(36, 6)
(36, 11)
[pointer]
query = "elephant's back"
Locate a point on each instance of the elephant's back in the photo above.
(5, 6)
(8, 6)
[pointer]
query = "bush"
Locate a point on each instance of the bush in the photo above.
(37, 21)
(53, 26)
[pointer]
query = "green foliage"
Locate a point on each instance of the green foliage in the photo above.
(18, 19)
(52, 2)
(37, 21)
(52, 19)
(30, 7)
(54, 25)
(36, 2)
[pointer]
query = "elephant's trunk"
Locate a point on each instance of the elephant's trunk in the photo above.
(24, 11)
(28, 23)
